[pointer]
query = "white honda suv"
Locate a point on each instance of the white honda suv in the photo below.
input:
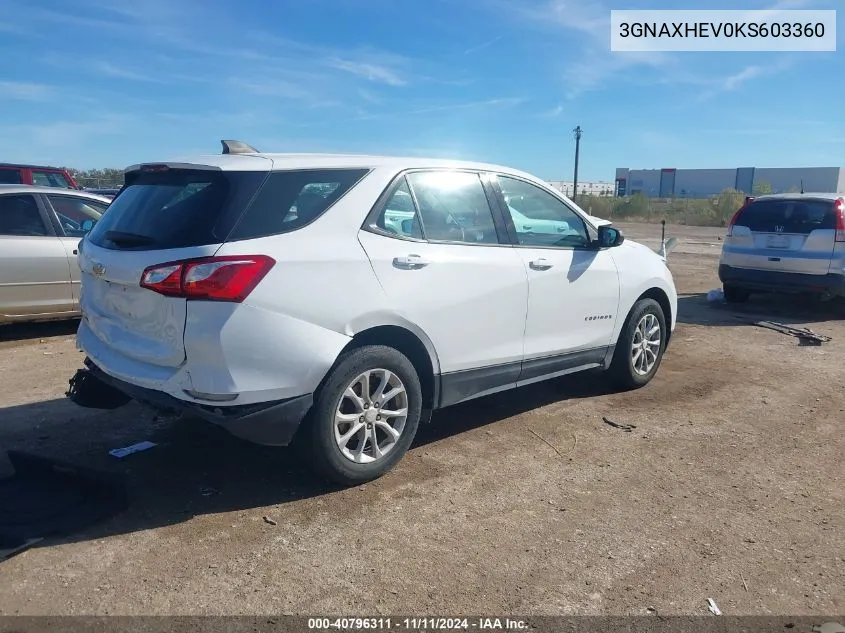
(283, 297)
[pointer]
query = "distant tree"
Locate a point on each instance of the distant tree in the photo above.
(762, 188)
(600, 206)
(635, 206)
(105, 178)
(727, 203)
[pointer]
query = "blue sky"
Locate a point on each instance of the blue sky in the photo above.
(107, 83)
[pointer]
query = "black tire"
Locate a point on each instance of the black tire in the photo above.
(622, 371)
(735, 295)
(324, 455)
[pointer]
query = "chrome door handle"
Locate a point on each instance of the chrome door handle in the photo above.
(540, 264)
(410, 262)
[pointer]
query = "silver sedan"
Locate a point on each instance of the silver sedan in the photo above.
(40, 230)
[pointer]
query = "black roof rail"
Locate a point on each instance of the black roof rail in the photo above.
(237, 147)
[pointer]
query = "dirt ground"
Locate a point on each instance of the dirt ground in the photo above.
(731, 487)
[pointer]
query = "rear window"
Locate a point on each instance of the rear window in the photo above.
(181, 208)
(10, 177)
(49, 179)
(788, 216)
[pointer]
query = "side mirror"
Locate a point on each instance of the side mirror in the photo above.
(87, 225)
(609, 237)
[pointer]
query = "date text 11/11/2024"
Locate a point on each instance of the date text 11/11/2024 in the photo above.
(417, 624)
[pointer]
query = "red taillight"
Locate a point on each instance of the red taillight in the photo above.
(229, 278)
(839, 214)
(154, 168)
(735, 216)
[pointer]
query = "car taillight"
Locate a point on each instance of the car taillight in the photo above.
(839, 214)
(735, 216)
(229, 278)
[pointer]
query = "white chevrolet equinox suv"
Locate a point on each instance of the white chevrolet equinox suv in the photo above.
(333, 302)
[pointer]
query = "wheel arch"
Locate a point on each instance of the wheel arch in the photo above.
(414, 347)
(659, 295)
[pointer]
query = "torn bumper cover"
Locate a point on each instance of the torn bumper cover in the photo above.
(268, 423)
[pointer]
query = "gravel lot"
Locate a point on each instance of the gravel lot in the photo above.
(730, 487)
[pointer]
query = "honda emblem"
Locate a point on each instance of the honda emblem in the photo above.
(98, 269)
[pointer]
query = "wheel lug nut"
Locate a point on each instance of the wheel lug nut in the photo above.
(366, 406)
(361, 419)
(378, 417)
(376, 405)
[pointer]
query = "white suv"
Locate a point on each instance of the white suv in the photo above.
(266, 293)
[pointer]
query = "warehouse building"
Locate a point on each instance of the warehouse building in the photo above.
(703, 183)
(588, 188)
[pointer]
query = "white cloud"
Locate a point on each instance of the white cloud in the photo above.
(69, 134)
(586, 27)
(482, 46)
(25, 91)
(267, 87)
(368, 70)
(737, 80)
(506, 102)
(371, 97)
(111, 70)
(553, 113)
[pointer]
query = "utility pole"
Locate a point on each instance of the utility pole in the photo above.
(577, 132)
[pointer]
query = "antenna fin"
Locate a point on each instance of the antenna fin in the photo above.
(237, 147)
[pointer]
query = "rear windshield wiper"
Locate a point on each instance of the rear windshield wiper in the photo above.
(128, 239)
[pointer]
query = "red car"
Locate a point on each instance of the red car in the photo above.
(11, 174)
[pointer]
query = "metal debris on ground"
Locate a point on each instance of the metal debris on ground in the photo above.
(120, 453)
(269, 521)
(804, 334)
(713, 607)
(616, 425)
(543, 439)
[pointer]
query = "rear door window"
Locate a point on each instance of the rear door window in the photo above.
(10, 176)
(49, 179)
(74, 213)
(788, 216)
(19, 215)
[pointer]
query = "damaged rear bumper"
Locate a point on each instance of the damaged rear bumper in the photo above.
(268, 423)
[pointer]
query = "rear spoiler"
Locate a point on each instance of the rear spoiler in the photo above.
(166, 166)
